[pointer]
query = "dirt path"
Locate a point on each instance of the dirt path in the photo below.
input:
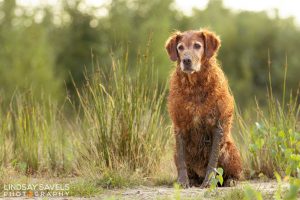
(161, 193)
(145, 193)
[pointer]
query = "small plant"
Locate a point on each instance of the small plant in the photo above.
(177, 191)
(278, 193)
(294, 190)
(216, 179)
(252, 194)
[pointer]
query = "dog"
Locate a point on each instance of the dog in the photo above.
(201, 108)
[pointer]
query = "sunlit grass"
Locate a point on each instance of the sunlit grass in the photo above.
(34, 138)
(122, 124)
(273, 138)
(83, 188)
(119, 136)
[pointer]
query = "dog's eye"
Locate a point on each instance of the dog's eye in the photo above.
(197, 46)
(180, 47)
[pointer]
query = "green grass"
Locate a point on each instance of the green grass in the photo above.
(84, 188)
(121, 124)
(273, 139)
(116, 135)
(79, 186)
(118, 127)
(111, 179)
(33, 136)
(234, 194)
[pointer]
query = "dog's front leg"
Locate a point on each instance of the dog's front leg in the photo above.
(183, 178)
(214, 155)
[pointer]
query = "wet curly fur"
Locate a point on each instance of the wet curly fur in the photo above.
(195, 103)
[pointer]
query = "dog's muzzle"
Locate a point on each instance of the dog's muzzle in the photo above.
(187, 64)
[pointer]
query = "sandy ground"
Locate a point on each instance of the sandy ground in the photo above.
(149, 193)
(192, 193)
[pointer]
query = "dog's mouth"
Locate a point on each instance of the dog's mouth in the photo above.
(188, 71)
(187, 68)
(190, 68)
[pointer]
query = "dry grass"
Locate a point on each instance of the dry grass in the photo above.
(118, 127)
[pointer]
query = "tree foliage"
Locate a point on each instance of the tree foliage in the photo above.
(41, 54)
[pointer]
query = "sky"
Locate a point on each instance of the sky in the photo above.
(285, 8)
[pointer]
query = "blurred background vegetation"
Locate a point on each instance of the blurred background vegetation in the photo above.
(44, 48)
(83, 89)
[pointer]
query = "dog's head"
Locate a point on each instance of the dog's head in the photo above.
(192, 48)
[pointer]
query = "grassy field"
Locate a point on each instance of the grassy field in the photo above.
(117, 134)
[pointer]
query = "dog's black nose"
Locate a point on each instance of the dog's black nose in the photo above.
(187, 62)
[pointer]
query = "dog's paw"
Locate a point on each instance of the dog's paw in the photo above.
(210, 174)
(183, 181)
(205, 184)
(230, 183)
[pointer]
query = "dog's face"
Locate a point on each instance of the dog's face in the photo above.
(191, 48)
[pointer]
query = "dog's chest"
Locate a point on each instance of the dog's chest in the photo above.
(195, 100)
(198, 143)
(201, 109)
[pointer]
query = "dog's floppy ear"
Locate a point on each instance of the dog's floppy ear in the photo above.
(211, 43)
(171, 45)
